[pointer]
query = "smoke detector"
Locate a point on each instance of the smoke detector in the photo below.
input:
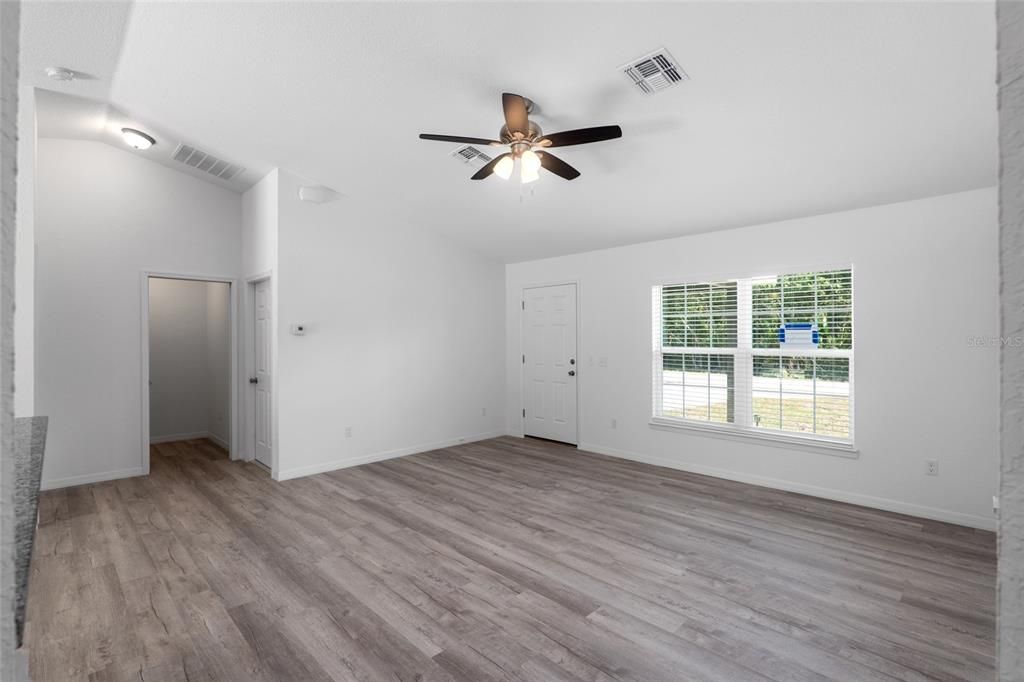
(654, 72)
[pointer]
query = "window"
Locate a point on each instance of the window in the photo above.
(718, 359)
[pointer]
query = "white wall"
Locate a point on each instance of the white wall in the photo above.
(218, 361)
(189, 360)
(179, 396)
(925, 280)
(404, 340)
(102, 217)
(259, 226)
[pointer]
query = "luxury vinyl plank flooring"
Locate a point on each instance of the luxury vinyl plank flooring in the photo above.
(506, 559)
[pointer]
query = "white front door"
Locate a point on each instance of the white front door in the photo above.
(262, 378)
(549, 362)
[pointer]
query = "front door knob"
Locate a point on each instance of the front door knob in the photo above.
(572, 372)
(254, 380)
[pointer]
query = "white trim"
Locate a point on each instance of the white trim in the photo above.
(246, 359)
(217, 440)
(179, 436)
(92, 478)
(232, 283)
(743, 354)
(336, 464)
(155, 440)
(770, 271)
(758, 436)
(579, 352)
(885, 504)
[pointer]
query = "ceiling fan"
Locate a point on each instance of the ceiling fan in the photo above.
(523, 136)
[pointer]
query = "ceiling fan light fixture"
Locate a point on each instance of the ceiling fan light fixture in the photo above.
(520, 135)
(504, 168)
(529, 166)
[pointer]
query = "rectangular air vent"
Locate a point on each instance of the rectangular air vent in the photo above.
(654, 72)
(471, 155)
(207, 163)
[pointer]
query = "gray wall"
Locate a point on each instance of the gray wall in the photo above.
(9, 19)
(1011, 219)
(189, 359)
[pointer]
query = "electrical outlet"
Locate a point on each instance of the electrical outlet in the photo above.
(348, 432)
(615, 423)
(933, 467)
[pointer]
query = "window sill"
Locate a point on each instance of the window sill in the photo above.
(777, 440)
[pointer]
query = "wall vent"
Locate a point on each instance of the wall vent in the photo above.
(654, 72)
(471, 155)
(207, 163)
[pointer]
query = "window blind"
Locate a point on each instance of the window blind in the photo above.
(718, 358)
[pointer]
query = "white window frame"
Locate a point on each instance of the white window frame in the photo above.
(742, 428)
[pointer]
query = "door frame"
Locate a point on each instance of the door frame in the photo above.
(232, 283)
(248, 363)
(522, 351)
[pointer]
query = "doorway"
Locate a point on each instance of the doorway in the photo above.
(550, 363)
(188, 364)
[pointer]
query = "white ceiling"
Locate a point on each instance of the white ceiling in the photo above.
(793, 109)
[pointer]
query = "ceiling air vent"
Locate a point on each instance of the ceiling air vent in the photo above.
(207, 163)
(471, 155)
(654, 72)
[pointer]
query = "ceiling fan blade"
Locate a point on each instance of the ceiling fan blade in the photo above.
(458, 138)
(515, 113)
(487, 170)
(581, 136)
(557, 166)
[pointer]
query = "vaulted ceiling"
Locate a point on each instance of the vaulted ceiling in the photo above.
(792, 109)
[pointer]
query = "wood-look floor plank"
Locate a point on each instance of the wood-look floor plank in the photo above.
(507, 559)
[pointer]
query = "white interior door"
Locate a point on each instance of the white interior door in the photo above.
(262, 379)
(549, 362)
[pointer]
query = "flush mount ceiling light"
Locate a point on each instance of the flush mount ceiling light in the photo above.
(522, 135)
(136, 139)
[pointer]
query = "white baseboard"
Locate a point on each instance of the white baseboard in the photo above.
(55, 483)
(190, 436)
(334, 465)
(218, 440)
(179, 436)
(885, 504)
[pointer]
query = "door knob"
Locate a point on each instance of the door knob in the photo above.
(572, 372)
(254, 380)
(572, 361)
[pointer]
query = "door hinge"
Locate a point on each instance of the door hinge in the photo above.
(524, 411)
(524, 359)
(523, 304)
